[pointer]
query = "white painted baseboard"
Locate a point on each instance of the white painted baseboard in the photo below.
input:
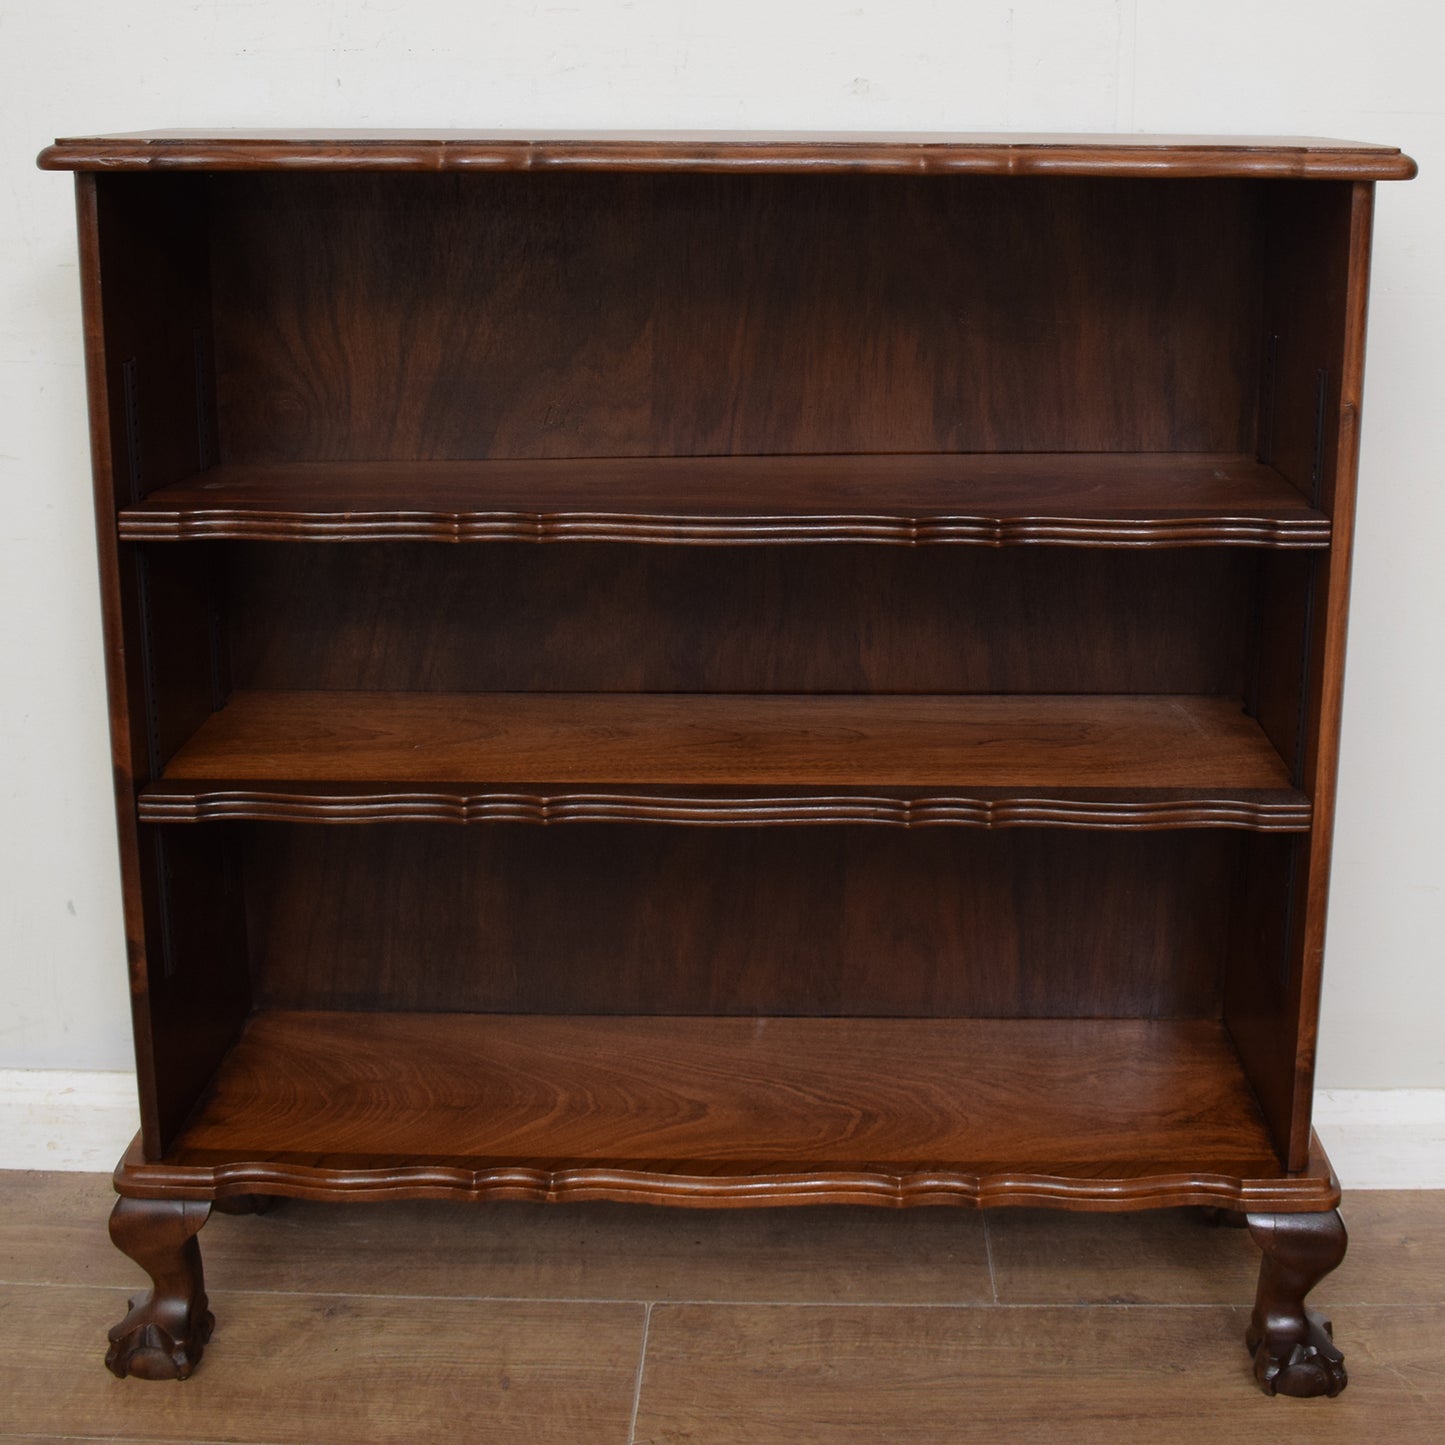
(56, 1119)
(64, 1119)
(1384, 1138)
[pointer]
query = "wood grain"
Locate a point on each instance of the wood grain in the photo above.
(1104, 1114)
(608, 617)
(892, 152)
(1138, 1375)
(738, 741)
(1324, 691)
(656, 919)
(1087, 499)
(1279, 811)
(337, 1367)
(490, 316)
(1167, 1256)
(146, 299)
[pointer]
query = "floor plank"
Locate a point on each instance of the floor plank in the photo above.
(348, 1324)
(1396, 1256)
(1397, 1248)
(52, 1229)
(1167, 1256)
(609, 1252)
(310, 1368)
(717, 1373)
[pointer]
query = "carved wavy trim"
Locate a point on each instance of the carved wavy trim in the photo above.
(167, 804)
(643, 1185)
(241, 523)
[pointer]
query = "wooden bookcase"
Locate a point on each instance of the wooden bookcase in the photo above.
(932, 697)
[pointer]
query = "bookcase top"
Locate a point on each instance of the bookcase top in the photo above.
(901, 153)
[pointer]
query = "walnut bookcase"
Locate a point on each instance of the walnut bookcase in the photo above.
(939, 681)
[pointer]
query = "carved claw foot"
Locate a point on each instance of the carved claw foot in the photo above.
(141, 1345)
(165, 1332)
(1310, 1366)
(1293, 1347)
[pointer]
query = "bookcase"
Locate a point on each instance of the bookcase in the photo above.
(725, 671)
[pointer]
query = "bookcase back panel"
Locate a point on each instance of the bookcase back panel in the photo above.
(601, 617)
(787, 920)
(403, 317)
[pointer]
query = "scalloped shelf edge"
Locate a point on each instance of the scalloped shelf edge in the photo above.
(220, 805)
(243, 524)
(641, 1185)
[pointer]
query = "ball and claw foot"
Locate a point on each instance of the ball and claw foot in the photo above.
(1302, 1367)
(1293, 1347)
(143, 1346)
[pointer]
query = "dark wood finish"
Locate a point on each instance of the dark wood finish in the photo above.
(146, 365)
(1136, 762)
(246, 1204)
(1317, 272)
(646, 919)
(1125, 373)
(604, 316)
(898, 153)
(1282, 810)
(744, 1111)
(723, 740)
(1293, 1347)
(1255, 974)
(1081, 499)
(164, 1334)
(1324, 690)
(399, 616)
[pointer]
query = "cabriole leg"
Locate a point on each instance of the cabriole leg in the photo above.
(163, 1335)
(1293, 1347)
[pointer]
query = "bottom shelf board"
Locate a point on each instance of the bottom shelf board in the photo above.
(1129, 1113)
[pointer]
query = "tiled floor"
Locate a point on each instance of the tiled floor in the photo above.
(431, 1322)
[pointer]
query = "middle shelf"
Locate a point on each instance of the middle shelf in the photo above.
(1091, 760)
(1091, 499)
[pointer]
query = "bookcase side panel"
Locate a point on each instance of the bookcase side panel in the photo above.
(147, 301)
(1327, 655)
(1316, 294)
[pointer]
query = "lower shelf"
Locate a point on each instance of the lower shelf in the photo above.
(1093, 1114)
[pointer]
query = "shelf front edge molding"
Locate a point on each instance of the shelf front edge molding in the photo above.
(157, 525)
(646, 1184)
(1082, 499)
(1280, 811)
(897, 153)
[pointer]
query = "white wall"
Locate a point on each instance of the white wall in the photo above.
(1321, 67)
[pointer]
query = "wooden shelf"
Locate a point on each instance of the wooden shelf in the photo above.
(1083, 499)
(1118, 1112)
(892, 152)
(1101, 761)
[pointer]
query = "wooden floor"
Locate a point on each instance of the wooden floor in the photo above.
(590, 1324)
